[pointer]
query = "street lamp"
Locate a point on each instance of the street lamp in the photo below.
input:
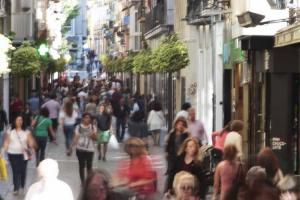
(43, 49)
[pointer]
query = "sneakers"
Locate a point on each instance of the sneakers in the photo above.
(15, 192)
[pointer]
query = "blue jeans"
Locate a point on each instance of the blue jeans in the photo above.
(120, 125)
(1, 138)
(69, 132)
(19, 166)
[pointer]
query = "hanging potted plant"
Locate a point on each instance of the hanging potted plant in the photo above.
(5, 47)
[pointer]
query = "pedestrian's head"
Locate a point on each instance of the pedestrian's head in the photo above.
(68, 108)
(135, 147)
(96, 186)
(18, 123)
(237, 125)
(86, 118)
(48, 169)
(185, 106)
(157, 106)
(192, 114)
(230, 152)
(180, 124)
(267, 159)
(102, 108)
(44, 112)
(184, 185)
(255, 175)
(190, 147)
(137, 116)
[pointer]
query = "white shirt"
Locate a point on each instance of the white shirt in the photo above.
(17, 141)
(56, 189)
(155, 120)
(236, 139)
(67, 120)
(182, 113)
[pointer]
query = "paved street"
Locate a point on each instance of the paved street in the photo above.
(69, 168)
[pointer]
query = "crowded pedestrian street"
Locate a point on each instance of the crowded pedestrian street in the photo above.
(68, 168)
(149, 100)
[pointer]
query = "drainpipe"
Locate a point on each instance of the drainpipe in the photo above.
(213, 52)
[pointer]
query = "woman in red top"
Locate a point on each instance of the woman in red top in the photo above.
(137, 173)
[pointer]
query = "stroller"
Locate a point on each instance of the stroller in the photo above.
(209, 157)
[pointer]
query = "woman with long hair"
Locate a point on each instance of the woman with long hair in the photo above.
(267, 159)
(85, 134)
(175, 138)
(96, 186)
(137, 173)
(42, 124)
(68, 119)
(16, 143)
(229, 173)
(188, 160)
(104, 124)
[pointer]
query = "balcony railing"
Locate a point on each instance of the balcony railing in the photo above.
(157, 16)
(199, 12)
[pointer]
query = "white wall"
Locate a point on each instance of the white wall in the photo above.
(260, 7)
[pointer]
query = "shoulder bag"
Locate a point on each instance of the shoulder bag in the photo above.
(27, 152)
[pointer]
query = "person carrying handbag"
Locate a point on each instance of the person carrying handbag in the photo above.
(16, 143)
(84, 141)
(41, 125)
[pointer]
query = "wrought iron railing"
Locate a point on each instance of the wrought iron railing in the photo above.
(157, 16)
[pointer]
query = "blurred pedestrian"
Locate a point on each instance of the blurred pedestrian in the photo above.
(33, 104)
(16, 143)
(49, 187)
(289, 187)
(41, 125)
(3, 124)
(96, 187)
(235, 136)
(185, 187)
(137, 173)
(184, 111)
(104, 124)
(175, 138)
(137, 127)
(121, 111)
(155, 122)
(188, 160)
(257, 186)
(16, 107)
(85, 135)
(68, 119)
(228, 176)
(53, 106)
(196, 127)
(267, 159)
(219, 137)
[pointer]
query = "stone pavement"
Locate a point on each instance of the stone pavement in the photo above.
(68, 167)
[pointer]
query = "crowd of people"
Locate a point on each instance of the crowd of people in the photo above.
(91, 112)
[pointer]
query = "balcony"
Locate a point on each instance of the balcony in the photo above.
(199, 12)
(155, 21)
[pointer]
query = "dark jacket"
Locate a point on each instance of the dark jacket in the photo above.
(103, 121)
(121, 113)
(137, 129)
(194, 168)
(3, 119)
(171, 146)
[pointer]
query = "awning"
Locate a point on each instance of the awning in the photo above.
(288, 35)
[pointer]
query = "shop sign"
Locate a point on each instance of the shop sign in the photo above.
(277, 143)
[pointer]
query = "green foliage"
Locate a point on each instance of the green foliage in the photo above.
(142, 62)
(57, 65)
(170, 56)
(72, 12)
(127, 65)
(114, 65)
(25, 61)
